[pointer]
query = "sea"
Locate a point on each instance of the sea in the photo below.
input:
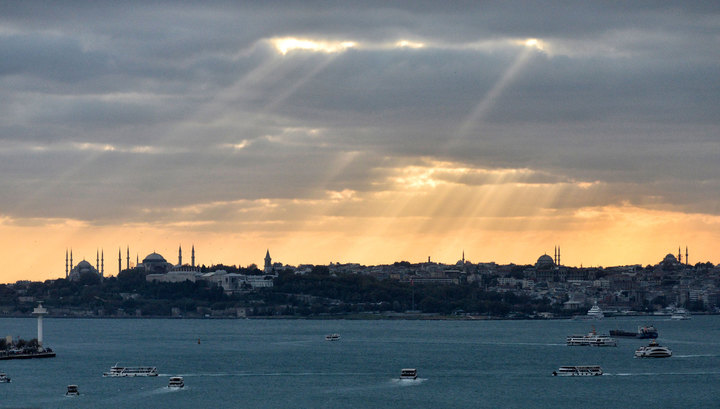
(280, 363)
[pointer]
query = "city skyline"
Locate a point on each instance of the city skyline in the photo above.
(366, 133)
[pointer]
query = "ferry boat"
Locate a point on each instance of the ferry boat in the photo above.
(72, 390)
(4, 378)
(124, 371)
(595, 312)
(332, 337)
(176, 382)
(591, 339)
(408, 373)
(680, 314)
(643, 332)
(582, 370)
(653, 350)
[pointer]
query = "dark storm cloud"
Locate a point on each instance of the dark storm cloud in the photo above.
(186, 103)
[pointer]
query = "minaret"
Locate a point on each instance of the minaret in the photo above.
(558, 260)
(40, 311)
(66, 264)
(686, 256)
(102, 263)
(193, 255)
(71, 263)
(180, 255)
(555, 256)
(128, 257)
(119, 260)
(97, 260)
(679, 256)
(268, 262)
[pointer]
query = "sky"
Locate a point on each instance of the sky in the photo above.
(358, 132)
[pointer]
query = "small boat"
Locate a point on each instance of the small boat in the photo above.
(653, 350)
(4, 378)
(125, 371)
(408, 373)
(680, 314)
(591, 339)
(176, 382)
(72, 390)
(595, 312)
(578, 370)
(332, 337)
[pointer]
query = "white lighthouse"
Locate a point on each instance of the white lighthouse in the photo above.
(40, 311)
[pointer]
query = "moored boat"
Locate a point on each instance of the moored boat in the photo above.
(653, 350)
(680, 314)
(332, 337)
(408, 373)
(125, 371)
(4, 378)
(578, 370)
(595, 312)
(72, 390)
(176, 382)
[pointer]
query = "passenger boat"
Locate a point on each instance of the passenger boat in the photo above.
(595, 312)
(408, 373)
(581, 370)
(643, 332)
(332, 337)
(124, 371)
(176, 382)
(4, 378)
(653, 350)
(72, 390)
(680, 314)
(591, 339)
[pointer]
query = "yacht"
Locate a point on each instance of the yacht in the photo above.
(4, 378)
(72, 390)
(332, 337)
(680, 314)
(591, 339)
(176, 382)
(582, 370)
(653, 350)
(123, 371)
(595, 312)
(408, 373)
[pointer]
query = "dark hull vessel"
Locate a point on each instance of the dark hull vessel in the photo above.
(646, 332)
(26, 355)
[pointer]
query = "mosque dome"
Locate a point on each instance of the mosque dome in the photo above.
(84, 265)
(545, 262)
(154, 258)
(670, 259)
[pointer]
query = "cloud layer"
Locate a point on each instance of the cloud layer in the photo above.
(229, 116)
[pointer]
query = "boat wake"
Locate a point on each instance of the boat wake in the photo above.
(662, 373)
(408, 382)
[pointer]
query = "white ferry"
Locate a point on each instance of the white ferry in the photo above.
(653, 350)
(591, 339)
(4, 378)
(176, 382)
(124, 371)
(332, 337)
(582, 370)
(408, 373)
(72, 390)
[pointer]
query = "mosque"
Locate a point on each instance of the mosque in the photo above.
(153, 263)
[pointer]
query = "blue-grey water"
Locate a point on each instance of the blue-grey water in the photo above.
(288, 364)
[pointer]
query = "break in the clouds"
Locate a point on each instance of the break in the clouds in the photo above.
(174, 112)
